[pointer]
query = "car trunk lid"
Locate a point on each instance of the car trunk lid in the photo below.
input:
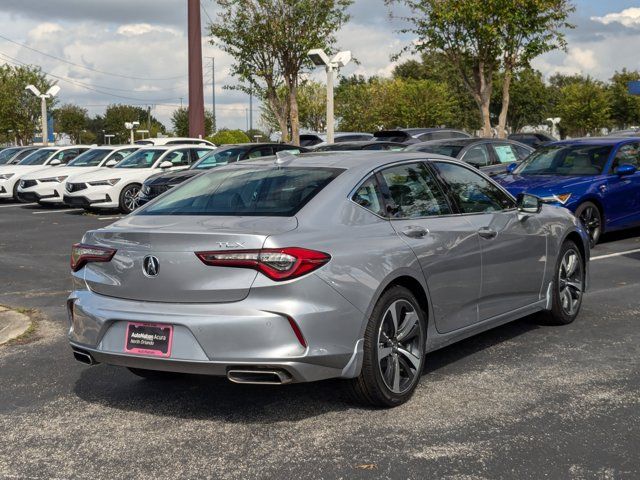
(181, 277)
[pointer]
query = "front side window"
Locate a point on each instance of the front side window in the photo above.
(259, 191)
(414, 191)
(38, 157)
(260, 152)
(566, 160)
(369, 196)
(121, 154)
(219, 157)
(141, 159)
(90, 158)
(178, 158)
(200, 152)
(628, 154)
(471, 191)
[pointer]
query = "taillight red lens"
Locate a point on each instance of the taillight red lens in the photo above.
(82, 254)
(276, 263)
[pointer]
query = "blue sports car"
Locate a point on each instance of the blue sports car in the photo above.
(596, 178)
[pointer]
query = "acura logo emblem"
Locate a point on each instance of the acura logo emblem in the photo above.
(150, 266)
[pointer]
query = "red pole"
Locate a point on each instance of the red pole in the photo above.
(196, 96)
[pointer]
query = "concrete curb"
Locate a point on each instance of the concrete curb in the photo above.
(12, 324)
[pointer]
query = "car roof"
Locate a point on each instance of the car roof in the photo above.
(349, 159)
(604, 141)
(361, 143)
(463, 142)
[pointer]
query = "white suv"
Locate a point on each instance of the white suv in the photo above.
(45, 186)
(10, 175)
(119, 187)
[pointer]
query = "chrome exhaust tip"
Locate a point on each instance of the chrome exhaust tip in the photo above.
(83, 357)
(259, 377)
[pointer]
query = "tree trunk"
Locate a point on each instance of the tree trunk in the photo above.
(502, 119)
(280, 112)
(294, 114)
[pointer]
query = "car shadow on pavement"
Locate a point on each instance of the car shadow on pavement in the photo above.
(619, 235)
(204, 397)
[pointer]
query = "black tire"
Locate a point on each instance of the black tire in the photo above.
(125, 202)
(15, 193)
(371, 386)
(154, 374)
(573, 286)
(591, 217)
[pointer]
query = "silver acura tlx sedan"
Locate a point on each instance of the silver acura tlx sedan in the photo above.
(293, 269)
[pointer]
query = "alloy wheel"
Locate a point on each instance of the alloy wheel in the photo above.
(570, 280)
(131, 198)
(590, 218)
(400, 349)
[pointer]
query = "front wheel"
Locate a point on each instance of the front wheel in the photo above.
(591, 218)
(568, 285)
(129, 198)
(394, 350)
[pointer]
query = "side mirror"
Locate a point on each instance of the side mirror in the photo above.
(111, 163)
(55, 162)
(625, 169)
(511, 167)
(528, 203)
(166, 164)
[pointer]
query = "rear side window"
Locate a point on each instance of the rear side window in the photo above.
(270, 191)
(369, 197)
(414, 191)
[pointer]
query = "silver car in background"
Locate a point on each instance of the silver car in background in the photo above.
(351, 265)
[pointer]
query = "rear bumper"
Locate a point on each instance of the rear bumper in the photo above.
(214, 338)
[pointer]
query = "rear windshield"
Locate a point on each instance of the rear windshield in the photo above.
(90, 158)
(254, 191)
(141, 159)
(38, 157)
(442, 149)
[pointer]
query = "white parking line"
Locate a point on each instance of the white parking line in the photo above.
(58, 211)
(17, 205)
(618, 254)
(109, 218)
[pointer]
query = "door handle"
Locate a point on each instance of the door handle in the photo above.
(486, 232)
(414, 231)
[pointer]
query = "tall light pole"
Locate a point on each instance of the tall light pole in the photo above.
(131, 126)
(196, 96)
(339, 60)
(52, 92)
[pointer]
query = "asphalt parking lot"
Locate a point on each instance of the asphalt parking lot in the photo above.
(521, 401)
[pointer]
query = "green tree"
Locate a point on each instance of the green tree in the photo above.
(72, 120)
(19, 109)
(625, 108)
(180, 122)
(389, 103)
(531, 99)
(117, 115)
(269, 41)
(482, 37)
(226, 137)
(584, 108)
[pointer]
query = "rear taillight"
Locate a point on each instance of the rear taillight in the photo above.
(276, 263)
(82, 254)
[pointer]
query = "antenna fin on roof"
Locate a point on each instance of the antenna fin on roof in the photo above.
(284, 157)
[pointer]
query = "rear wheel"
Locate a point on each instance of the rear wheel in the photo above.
(154, 374)
(393, 356)
(568, 285)
(589, 215)
(129, 198)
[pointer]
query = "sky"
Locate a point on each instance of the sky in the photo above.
(124, 51)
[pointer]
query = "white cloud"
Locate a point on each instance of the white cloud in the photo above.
(137, 29)
(629, 17)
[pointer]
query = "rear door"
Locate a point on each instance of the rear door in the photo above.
(446, 246)
(514, 251)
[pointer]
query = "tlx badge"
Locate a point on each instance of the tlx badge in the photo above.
(231, 245)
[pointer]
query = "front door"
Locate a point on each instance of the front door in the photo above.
(445, 244)
(514, 250)
(622, 205)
